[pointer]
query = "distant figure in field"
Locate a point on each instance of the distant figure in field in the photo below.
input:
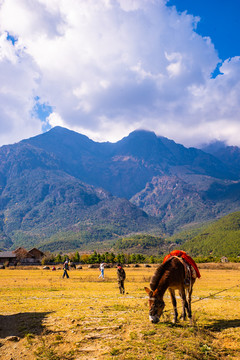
(121, 275)
(53, 269)
(101, 268)
(65, 268)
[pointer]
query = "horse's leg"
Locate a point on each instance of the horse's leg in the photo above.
(185, 305)
(174, 302)
(190, 300)
(181, 292)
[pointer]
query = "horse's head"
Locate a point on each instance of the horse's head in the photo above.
(156, 305)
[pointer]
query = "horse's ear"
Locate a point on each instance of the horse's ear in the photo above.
(147, 290)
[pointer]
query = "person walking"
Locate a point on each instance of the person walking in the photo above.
(121, 275)
(65, 268)
(101, 268)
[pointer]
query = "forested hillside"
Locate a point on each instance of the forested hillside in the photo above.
(221, 238)
(143, 244)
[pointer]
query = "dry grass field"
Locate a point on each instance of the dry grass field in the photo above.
(45, 317)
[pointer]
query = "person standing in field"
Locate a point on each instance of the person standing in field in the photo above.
(65, 268)
(121, 275)
(101, 268)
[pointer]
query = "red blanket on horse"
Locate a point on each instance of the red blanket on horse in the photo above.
(186, 257)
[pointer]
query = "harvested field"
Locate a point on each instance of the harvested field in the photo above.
(45, 317)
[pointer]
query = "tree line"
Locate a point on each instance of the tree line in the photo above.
(96, 258)
(112, 258)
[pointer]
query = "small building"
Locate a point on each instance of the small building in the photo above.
(23, 256)
(38, 254)
(224, 259)
(7, 257)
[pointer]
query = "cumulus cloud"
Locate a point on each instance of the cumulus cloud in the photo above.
(17, 70)
(108, 67)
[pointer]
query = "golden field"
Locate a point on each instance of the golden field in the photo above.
(45, 317)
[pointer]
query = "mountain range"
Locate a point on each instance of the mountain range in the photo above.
(61, 190)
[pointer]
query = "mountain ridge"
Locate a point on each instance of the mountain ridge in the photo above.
(64, 182)
(145, 153)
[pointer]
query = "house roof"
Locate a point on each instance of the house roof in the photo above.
(7, 254)
(23, 253)
(35, 249)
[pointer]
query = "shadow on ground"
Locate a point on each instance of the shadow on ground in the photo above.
(218, 325)
(22, 324)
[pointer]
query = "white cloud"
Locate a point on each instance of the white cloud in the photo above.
(18, 81)
(55, 119)
(107, 67)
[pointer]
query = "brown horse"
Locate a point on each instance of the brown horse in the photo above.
(173, 275)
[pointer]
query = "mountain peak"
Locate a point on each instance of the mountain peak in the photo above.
(143, 133)
(60, 130)
(214, 147)
(142, 144)
(63, 132)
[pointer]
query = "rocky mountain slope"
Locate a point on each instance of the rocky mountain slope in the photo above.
(188, 199)
(39, 200)
(61, 184)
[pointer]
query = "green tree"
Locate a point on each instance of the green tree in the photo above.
(120, 258)
(93, 258)
(58, 259)
(99, 258)
(140, 258)
(152, 260)
(76, 257)
(106, 257)
(112, 257)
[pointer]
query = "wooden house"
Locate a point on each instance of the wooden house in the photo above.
(38, 254)
(21, 256)
(8, 257)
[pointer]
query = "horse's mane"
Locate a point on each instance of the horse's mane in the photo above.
(159, 273)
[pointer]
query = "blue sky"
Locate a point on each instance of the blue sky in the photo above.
(219, 19)
(109, 67)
